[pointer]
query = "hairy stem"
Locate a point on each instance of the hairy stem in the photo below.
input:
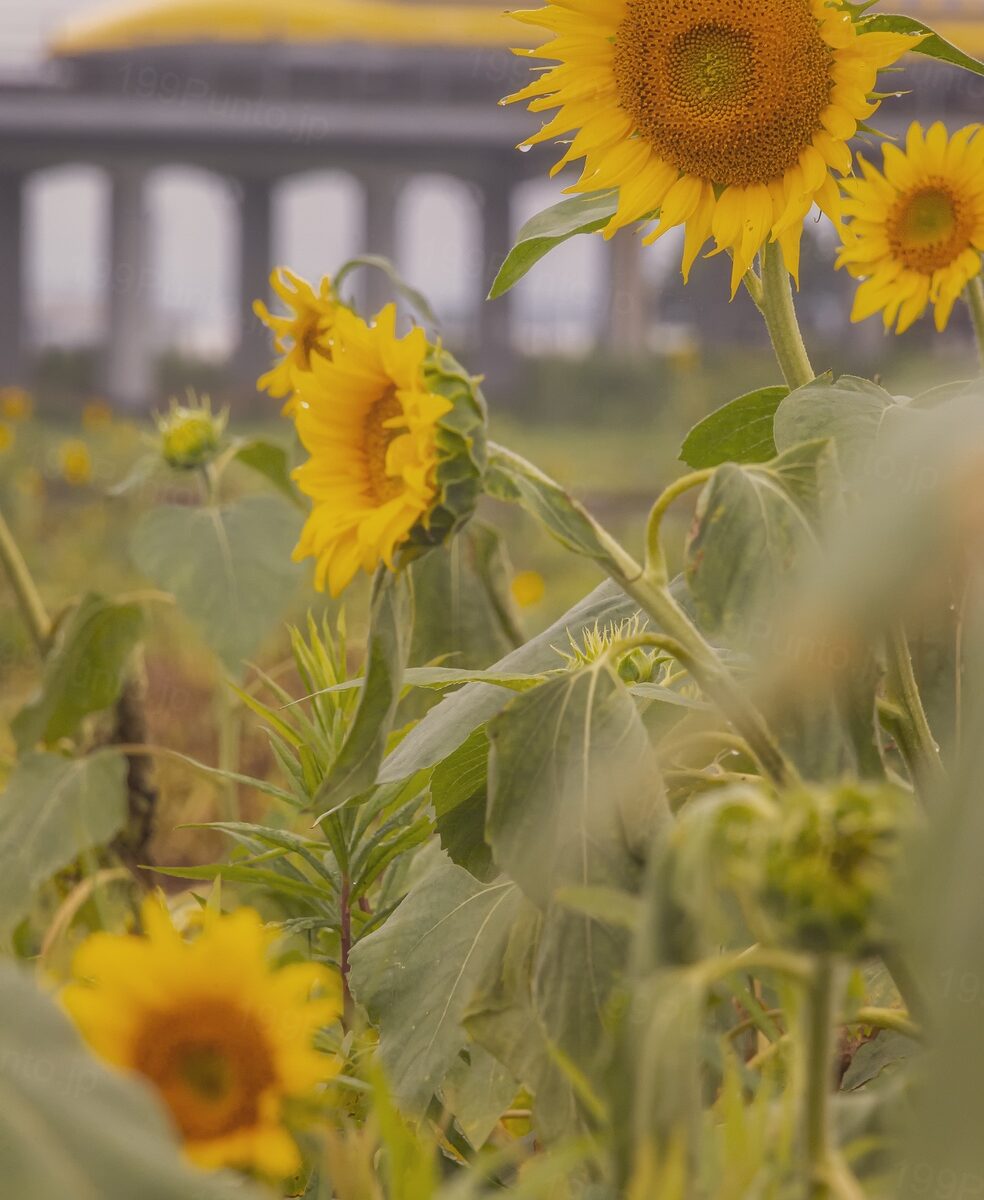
(975, 301)
(775, 302)
(928, 765)
(22, 582)
(817, 1133)
(655, 558)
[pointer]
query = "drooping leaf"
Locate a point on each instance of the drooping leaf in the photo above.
(358, 760)
(550, 228)
(889, 1049)
(83, 673)
(273, 463)
(228, 567)
(462, 609)
(51, 811)
(851, 412)
(934, 45)
(416, 975)
(740, 432)
(478, 1091)
(746, 538)
(459, 791)
(445, 727)
(70, 1127)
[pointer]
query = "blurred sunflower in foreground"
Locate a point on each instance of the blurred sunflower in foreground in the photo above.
(916, 232)
(301, 335)
(727, 116)
(223, 1037)
(395, 433)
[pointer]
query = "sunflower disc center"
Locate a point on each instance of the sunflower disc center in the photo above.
(929, 228)
(726, 91)
(376, 441)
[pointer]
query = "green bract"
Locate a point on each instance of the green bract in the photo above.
(191, 434)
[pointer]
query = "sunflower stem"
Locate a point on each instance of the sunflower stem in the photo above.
(975, 302)
(775, 303)
(819, 1047)
(25, 590)
(928, 765)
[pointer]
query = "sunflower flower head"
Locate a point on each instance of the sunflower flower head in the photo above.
(190, 433)
(395, 430)
(300, 334)
(75, 462)
(223, 1037)
(16, 404)
(723, 116)
(916, 229)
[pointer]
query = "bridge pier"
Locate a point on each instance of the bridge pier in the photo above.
(252, 354)
(128, 374)
(625, 320)
(495, 355)
(13, 357)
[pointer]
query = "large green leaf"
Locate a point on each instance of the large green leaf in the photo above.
(273, 463)
(934, 45)
(445, 727)
(71, 1128)
(574, 792)
(228, 567)
(83, 673)
(747, 536)
(739, 432)
(52, 810)
(358, 760)
(462, 609)
(478, 1091)
(416, 975)
(852, 412)
(459, 794)
(540, 234)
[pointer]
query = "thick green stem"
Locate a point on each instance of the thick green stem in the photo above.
(818, 1143)
(29, 601)
(975, 301)
(929, 769)
(776, 305)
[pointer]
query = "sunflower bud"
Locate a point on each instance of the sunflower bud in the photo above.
(190, 433)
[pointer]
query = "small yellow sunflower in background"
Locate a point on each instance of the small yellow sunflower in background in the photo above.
(8, 436)
(527, 588)
(395, 431)
(96, 415)
(16, 404)
(725, 115)
(75, 462)
(916, 232)
(301, 335)
(222, 1036)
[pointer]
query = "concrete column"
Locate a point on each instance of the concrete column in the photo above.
(495, 352)
(253, 353)
(382, 190)
(625, 320)
(13, 357)
(128, 365)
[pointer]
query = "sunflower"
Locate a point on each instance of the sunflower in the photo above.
(725, 116)
(304, 333)
(221, 1036)
(916, 231)
(395, 431)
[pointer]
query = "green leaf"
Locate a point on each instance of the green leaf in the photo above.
(445, 727)
(273, 463)
(459, 795)
(809, 474)
(884, 1052)
(739, 432)
(516, 481)
(746, 538)
(51, 811)
(478, 1091)
(580, 214)
(228, 567)
(934, 46)
(83, 673)
(358, 760)
(416, 975)
(70, 1127)
(574, 797)
(462, 609)
(377, 262)
(445, 677)
(850, 411)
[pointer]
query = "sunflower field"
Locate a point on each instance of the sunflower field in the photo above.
(320, 878)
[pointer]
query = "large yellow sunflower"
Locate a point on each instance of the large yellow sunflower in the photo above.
(222, 1036)
(304, 332)
(726, 116)
(370, 423)
(916, 232)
